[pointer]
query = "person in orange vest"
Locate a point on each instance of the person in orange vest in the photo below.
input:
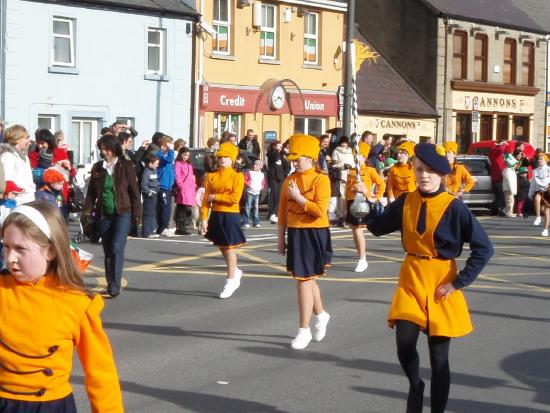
(303, 216)
(434, 226)
(368, 179)
(401, 177)
(223, 189)
(47, 311)
(459, 180)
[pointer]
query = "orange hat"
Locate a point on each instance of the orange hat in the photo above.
(228, 149)
(364, 149)
(450, 146)
(408, 147)
(51, 176)
(303, 145)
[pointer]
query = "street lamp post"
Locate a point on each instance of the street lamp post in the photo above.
(348, 78)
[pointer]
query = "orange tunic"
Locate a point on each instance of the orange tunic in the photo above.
(401, 180)
(421, 273)
(370, 178)
(39, 327)
(227, 184)
(459, 180)
(315, 187)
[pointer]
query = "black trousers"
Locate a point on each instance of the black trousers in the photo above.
(182, 215)
(406, 339)
(274, 193)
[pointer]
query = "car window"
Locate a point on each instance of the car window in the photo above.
(476, 167)
(197, 159)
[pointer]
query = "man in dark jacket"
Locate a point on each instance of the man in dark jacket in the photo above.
(250, 143)
(277, 169)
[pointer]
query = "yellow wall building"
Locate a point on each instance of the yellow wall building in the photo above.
(271, 66)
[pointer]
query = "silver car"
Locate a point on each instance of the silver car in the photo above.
(482, 194)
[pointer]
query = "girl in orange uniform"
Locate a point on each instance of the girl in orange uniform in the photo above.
(401, 177)
(223, 189)
(303, 215)
(369, 178)
(46, 311)
(459, 180)
(434, 226)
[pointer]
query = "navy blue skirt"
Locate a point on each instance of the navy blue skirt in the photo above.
(351, 220)
(309, 252)
(65, 405)
(224, 229)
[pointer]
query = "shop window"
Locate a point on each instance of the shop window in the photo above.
(156, 51)
(528, 64)
(509, 64)
(502, 127)
(480, 58)
(227, 122)
(460, 50)
(268, 32)
(50, 122)
(222, 26)
(311, 38)
(463, 131)
(309, 126)
(486, 128)
(521, 128)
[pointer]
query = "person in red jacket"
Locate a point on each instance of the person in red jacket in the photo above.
(496, 156)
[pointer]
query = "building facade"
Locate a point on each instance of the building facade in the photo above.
(480, 65)
(83, 66)
(271, 66)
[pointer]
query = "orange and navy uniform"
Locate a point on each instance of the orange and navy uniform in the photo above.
(459, 180)
(227, 185)
(315, 187)
(434, 228)
(40, 324)
(401, 179)
(369, 178)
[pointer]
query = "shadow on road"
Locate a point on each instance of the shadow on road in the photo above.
(192, 401)
(207, 294)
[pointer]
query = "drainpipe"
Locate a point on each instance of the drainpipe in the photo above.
(3, 28)
(445, 77)
(198, 82)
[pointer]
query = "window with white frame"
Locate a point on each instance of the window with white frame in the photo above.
(63, 42)
(83, 136)
(229, 122)
(309, 126)
(268, 32)
(311, 39)
(50, 122)
(156, 51)
(222, 26)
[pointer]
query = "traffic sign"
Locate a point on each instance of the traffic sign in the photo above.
(475, 104)
(475, 122)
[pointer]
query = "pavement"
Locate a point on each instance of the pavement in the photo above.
(179, 348)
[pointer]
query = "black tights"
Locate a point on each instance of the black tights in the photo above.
(406, 338)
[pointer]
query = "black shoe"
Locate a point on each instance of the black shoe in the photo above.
(415, 401)
(113, 294)
(182, 232)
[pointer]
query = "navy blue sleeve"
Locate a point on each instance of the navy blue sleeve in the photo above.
(458, 227)
(390, 221)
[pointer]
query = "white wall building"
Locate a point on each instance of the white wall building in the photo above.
(79, 66)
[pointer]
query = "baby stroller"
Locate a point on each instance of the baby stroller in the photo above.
(75, 201)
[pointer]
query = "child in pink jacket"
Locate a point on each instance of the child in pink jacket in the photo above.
(185, 187)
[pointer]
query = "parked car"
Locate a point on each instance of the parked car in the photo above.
(482, 194)
(197, 161)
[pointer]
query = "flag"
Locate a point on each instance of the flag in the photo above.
(363, 52)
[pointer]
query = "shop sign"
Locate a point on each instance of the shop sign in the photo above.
(398, 126)
(314, 105)
(204, 95)
(231, 100)
(493, 102)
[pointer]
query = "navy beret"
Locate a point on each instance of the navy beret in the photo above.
(427, 153)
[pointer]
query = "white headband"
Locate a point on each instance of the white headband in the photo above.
(36, 217)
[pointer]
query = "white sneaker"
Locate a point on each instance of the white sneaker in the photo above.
(167, 233)
(302, 339)
(545, 233)
(231, 285)
(362, 265)
(257, 226)
(537, 221)
(273, 219)
(320, 326)
(246, 225)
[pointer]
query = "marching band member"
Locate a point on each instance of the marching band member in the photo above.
(459, 180)
(401, 177)
(434, 226)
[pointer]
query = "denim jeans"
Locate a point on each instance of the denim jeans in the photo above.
(114, 231)
(149, 221)
(164, 208)
(251, 202)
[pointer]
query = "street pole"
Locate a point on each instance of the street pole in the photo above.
(348, 77)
